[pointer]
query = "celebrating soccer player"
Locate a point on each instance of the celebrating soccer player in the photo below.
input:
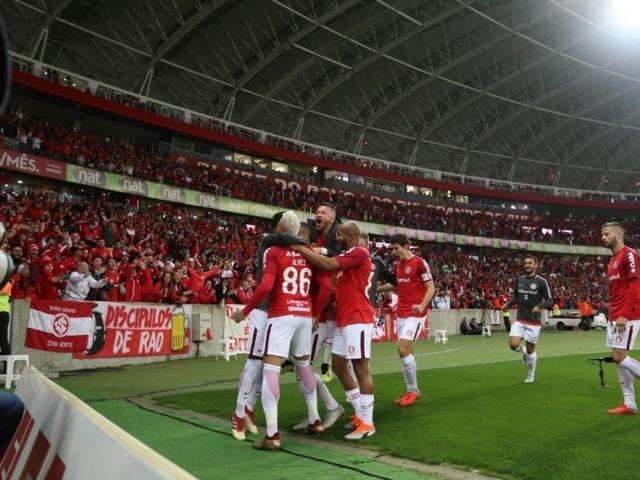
(250, 383)
(624, 312)
(532, 294)
(323, 239)
(333, 409)
(354, 314)
(415, 288)
(287, 276)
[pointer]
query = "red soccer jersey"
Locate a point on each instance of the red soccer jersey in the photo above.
(411, 275)
(352, 286)
(623, 268)
(291, 290)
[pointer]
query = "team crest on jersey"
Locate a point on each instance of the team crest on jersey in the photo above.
(407, 269)
(615, 264)
(351, 349)
(533, 286)
(618, 339)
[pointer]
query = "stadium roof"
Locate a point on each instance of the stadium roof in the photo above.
(536, 91)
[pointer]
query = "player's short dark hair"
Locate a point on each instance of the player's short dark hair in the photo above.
(276, 219)
(533, 257)
(613, 225)
(306, 225)
(399, 238)
(329, 205)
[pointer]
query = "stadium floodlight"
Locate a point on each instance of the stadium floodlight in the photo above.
(627, 13)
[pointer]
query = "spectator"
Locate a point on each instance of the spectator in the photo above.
(47, 283)
(206, 295)
(80, 282)
(22, 288)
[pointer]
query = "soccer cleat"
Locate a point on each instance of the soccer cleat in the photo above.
(268, 443)
(409, 399)
(363, 431)
(237, 427)
(250, 421)
(531, 377)
(314, 428)
(325, 373)
(301, 425)
(332, 416)
(353, 424)
(399, 400)
(622, 410)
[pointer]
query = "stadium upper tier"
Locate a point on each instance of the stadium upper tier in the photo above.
(107, 98)
(50, 232)
(120, 155)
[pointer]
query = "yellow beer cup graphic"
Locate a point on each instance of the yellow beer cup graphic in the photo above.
(177, 329)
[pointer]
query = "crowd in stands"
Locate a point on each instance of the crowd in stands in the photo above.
(244, 133)
(119, 155)
(95, 246)
(91, 247)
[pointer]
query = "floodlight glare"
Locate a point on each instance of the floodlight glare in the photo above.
(627, 13)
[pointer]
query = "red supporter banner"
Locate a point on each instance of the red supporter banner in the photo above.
(32, 164)
(109, 330)
(60, 326)
(135, 330)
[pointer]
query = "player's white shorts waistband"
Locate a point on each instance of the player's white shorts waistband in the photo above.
(625, 340)
(408, 328)
(529, 331)
(288, 335)
(353, 342)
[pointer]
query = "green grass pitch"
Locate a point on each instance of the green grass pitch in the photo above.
(476, 411)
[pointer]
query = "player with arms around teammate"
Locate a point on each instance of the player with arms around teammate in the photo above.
(352, 341)
(532, 294)
(250, 383)
(415, 288)
(287, 276)
(623, 272)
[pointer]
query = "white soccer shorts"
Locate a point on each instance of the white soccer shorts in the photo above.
(323, 337)
(410, 327)
(257, 327)
(288, 335)
(353, 342)
(528, 331)
(625, 340)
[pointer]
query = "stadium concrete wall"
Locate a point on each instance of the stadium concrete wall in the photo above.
(448, 320)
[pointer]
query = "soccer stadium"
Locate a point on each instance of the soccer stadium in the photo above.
(327, 239)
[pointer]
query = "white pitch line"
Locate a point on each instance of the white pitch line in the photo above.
(428, 353)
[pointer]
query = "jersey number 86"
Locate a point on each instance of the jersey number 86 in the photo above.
(295, 283)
